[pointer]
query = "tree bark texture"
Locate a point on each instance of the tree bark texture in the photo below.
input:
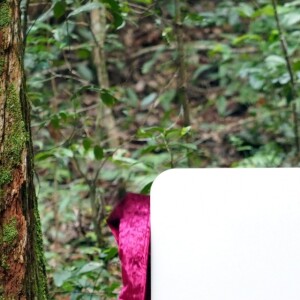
(105, 114)
(22, 268)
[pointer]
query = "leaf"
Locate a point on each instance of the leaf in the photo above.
(118, 21)
(221, 104)
(43, 156)
(87, 143)
(144, 1)
(149, 132)
(266, 11)
(89, 267)
(98, 152)
(187, 146)
(146, 189)
(110, 253)
(85, 8)
(256, 82)
(85, 71)
(116, 12)
(114, 5)
(148, 100)
(146, 68)
(293, 3)
(59, 9)
(283, 79)
(274, 61)
(290, 19)
(107, 98)
(166, 98)
(185, 130)
(132, 98)
(246, 10)
(60, 277)
(246, 38)
(64, 153)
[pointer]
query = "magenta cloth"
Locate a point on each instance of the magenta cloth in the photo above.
(130, 225)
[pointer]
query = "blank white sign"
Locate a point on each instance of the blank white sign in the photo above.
(226, 234)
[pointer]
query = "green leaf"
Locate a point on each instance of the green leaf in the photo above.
(246, 10)
(132, 99)
(147, 67)
(107, 98)
(149, 132)
(290, 19)
(59, 9)
(148, 100)
(293, 3)
(110, 253)
(274, 61)
(187, 146)
(116, 12)
(43, 156)
(246, 38)
(89, 267)
(87, 143)
(114, 5)
(185, 130)
(221, 105)
(146, 189)
(85, 8)
(144, 1)
(98, 152)
(256, 82)
(265, 11)
(60, 277)
(166, 99)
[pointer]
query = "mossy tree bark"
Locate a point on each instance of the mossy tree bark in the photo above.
(22, 269)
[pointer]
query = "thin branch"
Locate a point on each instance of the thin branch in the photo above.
(98, 29)
(290, 71)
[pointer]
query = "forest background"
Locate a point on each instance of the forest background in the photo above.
(123, 90)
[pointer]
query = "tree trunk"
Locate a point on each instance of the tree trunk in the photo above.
(22, 269)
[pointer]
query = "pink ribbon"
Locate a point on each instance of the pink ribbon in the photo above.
(130, 225)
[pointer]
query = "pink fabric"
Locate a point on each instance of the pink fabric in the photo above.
(130, 225)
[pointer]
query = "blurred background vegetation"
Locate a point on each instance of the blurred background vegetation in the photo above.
(123, 90)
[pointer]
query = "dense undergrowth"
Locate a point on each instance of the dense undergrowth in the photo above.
(242, 84)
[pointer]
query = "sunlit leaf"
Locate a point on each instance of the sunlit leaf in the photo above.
(89, 267)
(85, 8)
(60, 277)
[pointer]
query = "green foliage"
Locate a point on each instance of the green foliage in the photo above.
(88, 280)
(234, 57)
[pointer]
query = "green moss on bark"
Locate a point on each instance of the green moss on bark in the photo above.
(3, 262)
(5, 14)
(15, 141)
(2, 62)
(5, 176)
(8, 238)
(9, 235)
(15, 136)
(41, 287)
(10, 232)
